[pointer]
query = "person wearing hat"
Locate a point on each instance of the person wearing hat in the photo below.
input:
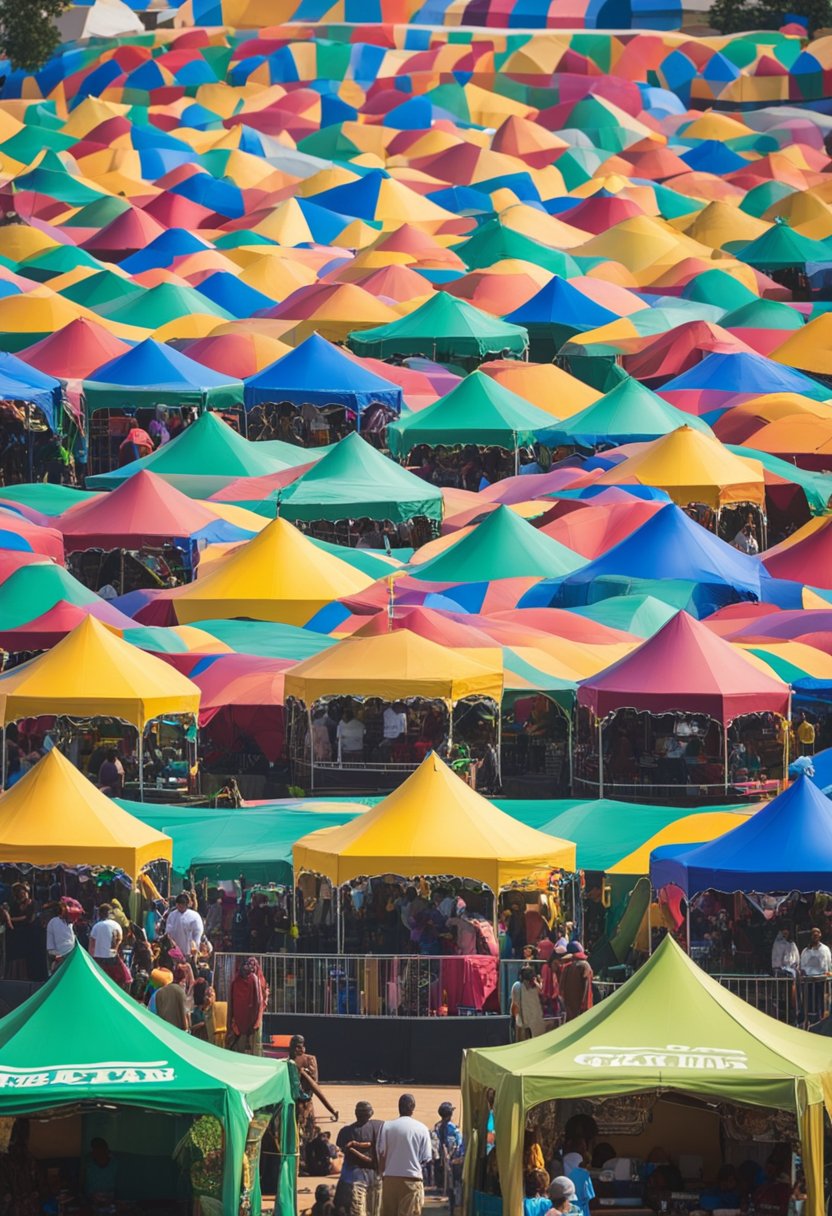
(448, 1149)
(562, 1195)
(576, 982)
(358, 1192)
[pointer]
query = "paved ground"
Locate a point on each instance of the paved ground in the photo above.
(384, 1099)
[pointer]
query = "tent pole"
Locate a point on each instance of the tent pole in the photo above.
(600, 761)
(339, 928)
(516, 455)
(141, 764)
(311, 748)
(569, 749)
(687, 922)
(787, 742)
(499, 746)
(450, 707)
(725, 755)
(3, 762)
(649, 923)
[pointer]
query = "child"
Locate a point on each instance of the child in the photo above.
(323, 1205)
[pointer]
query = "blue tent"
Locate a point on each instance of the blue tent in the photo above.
(155, 374)
(165, 248)
(668, 546)
(20, 382)
(356, 198)
(227, 291)
(318, 373)
(559, 303)
(787, 846)
(744, 373)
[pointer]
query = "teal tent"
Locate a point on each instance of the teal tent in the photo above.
(445, 329)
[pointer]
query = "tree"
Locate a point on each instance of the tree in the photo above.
(735, 16)
(28, 35)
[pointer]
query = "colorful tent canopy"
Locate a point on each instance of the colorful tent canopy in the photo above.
(623, 1045)
(355, 481)
(684, 667)
(394, 666)
(433, 824)
(142, 511)
(20, 382)
(318, 373)
(628, 413)
(444, 329)
(502, 546)
(477, 410)
(94, 674)
(51, 1062)
(153, 374)
(787, 846)
(54, 816)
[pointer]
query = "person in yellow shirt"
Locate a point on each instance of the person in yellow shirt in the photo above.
(806, 736)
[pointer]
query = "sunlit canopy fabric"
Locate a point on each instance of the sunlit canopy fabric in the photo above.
(685, 667)
(628, 413)
(94, 674)
(54, 816)
(152, 374)
(355, 480)
(20, 382)
(623, 1045)
(318, 373)
(141, 511)
(55, 1062)
(434, 824)
(502, 546)
(692, 467)
(786, 846)
(396, 665)
(277, 576)
(477, 410)
(202, 459)
(445, 329)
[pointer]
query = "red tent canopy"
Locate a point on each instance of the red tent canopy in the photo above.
(428, 623)
(46, 542)
(74, 351)
(806, 560)
(685, 667)
(242, 699)
(143, 510)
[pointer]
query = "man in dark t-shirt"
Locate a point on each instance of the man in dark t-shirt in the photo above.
(359, 1189)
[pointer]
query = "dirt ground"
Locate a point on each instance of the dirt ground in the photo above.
(385, 1106)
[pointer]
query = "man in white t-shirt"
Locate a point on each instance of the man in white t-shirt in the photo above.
(105, 935)
(184, 925)
(350, 735)
(60, 936)
(403, 1150)
(394, 723)
(815, 963)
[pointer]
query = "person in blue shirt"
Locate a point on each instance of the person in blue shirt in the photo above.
(573, 1168)
(100, 1173)
(448, 1149)
(726, 1192)
(537, 1201)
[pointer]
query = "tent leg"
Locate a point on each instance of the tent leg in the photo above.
(499, 747)
(650, 923)
(311, 748)
(140, 751)
(787, 743)
(3, 761)
(725, 755)
(339, 927)
(569, 750)
(600, 761)
(687, 924)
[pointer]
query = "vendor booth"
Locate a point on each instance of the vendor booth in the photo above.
(436, 827)
(685, 715)
(677, 1076)
(766, 874)
(378, 705)
(182, 1120)
(89, 686)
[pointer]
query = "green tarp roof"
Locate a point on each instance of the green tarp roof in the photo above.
(629, 413)
(443, 328)
(502, 546)
(356, 480)
(642, 615)
(781, 248)
(477, 410)
(113, 1050)
(204, 458)
(35, 588)
(494, 242)
(44, 497)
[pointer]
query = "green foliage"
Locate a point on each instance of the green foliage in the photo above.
(735, 16)
(27, 31)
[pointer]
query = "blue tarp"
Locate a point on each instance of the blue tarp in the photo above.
(745, 373)
(669, 546)
(318, 373)
(20, 382)
(787, 846)
(559, 303)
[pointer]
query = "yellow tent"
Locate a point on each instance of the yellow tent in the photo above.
(395, 665)
(92, 673)
(809, 348)
(433, 824)
(55, 816)
(277, 576)
(692, 467)
(544, 385)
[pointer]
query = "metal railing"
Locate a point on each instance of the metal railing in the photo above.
(414, 985)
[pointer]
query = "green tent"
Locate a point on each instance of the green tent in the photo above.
(781, 248)
(355, 480)
(269, 639)
(816, 486)
(445, 329)
(721, 289)
(763, 314)
(767, 194)
(81, 1040)
(478, 410)
(202, 459)
(35, 588)
(106, 287)
(629, 413)
(99, 213)
(642, 615)
(162, 303)
(494, 242)
(50, 263)
(502, 546)
(671, 1028)
(44, 497)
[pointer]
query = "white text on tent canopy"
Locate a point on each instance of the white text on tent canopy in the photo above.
(701, 1059)
(112, 1073)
